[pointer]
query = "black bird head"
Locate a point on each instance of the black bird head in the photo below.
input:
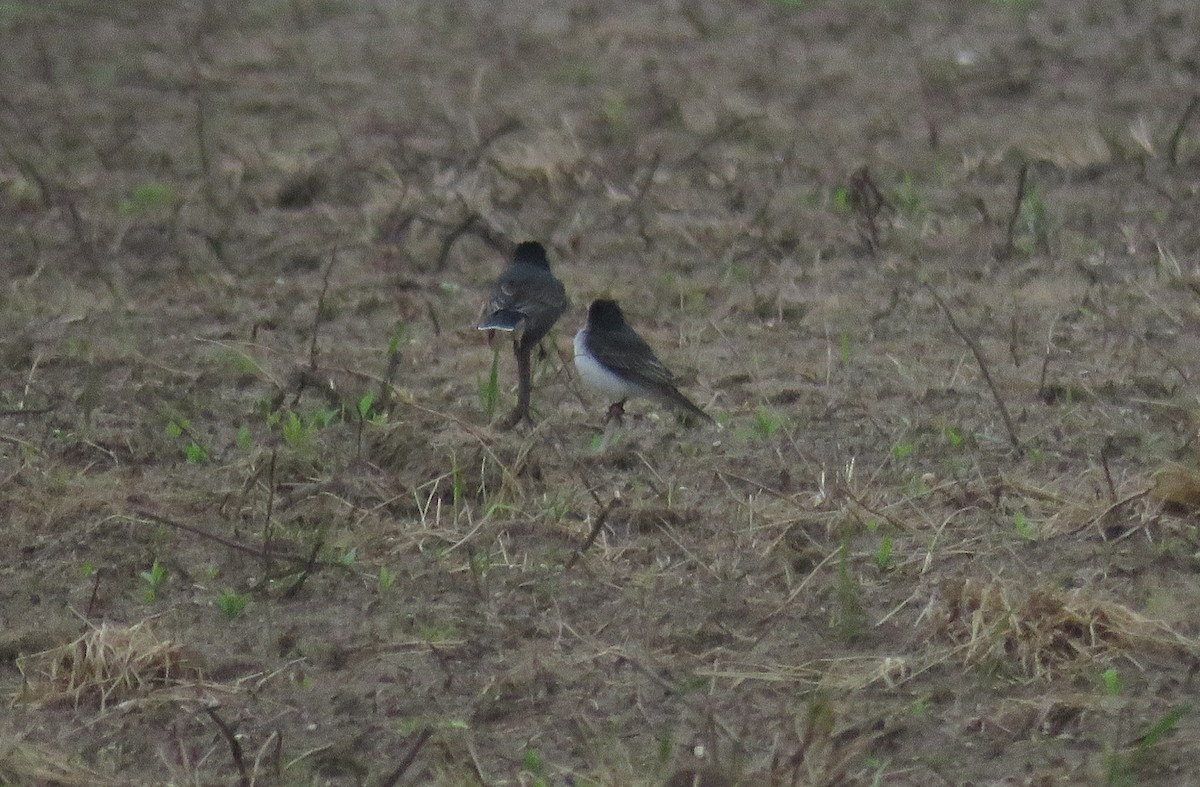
(605, 315)
(531, 253)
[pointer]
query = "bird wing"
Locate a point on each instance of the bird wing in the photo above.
(628, 355)
(521, 293)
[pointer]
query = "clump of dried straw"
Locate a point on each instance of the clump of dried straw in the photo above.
(107, 664)
(25, 763)
(1044, 630)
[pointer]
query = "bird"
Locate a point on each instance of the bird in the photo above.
(617, 363)
(526, 302)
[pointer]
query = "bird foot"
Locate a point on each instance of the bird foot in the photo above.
(616, 412)
(516, 417)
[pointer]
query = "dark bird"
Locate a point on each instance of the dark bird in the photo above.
(526, 302)
(617, 363)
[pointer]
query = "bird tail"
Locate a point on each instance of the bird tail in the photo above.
(685, 406)
(501, 320)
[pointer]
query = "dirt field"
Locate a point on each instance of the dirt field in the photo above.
(932, 266)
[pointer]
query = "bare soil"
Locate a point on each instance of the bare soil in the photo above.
(932, 266)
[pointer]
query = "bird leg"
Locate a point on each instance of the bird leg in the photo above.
(524, 387)
(613, 420)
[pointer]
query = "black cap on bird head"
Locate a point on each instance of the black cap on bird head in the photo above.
(531, 253)
(604, 313)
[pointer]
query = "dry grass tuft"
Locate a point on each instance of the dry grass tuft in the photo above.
(23, 763)
(822, 749)
(1046, 630)
(1178, 487)
(856, 674)
(107, 664)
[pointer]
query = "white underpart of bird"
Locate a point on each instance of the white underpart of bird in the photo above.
(599, 378)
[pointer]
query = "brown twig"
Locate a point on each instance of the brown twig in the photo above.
(92, 599)
(717, 135)
(597, 526)
(1018, 200)
(268, 525)
(386, 390)
(1014, 340)
(483, 439)
(507, 127)
(1107, 449)
(868, 203)
(235, 748)
(309, 564)
(26, 411)
(472, 224)
(633, 207)
(887, 310)
(274, 746)
(201, 128)
(312, 349)
(1177, 134)
(409, 758)
(249, 550)
(983, 367)
(1113, 507)
(1046, 360)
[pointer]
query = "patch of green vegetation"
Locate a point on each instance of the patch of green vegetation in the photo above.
(766, 422)
(23, 192)
(438, 633)
(906, 197)
(1123, 767)
(850, 617)
(456, 485)
(1023, 526)
(367, 415)
(479, 564)
(578, 71)
(153, 579)
(1033, 223)
(13, 14)
(231, 603)
(883, 554)
(365, 404)
(488, 389)
(531, 762)
(193, 452)
(618, 119)
(147, 198)
(237, 364)
(385, 580)
(299, 432)
(841, 201)
(1111, 681)
(957, 438)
